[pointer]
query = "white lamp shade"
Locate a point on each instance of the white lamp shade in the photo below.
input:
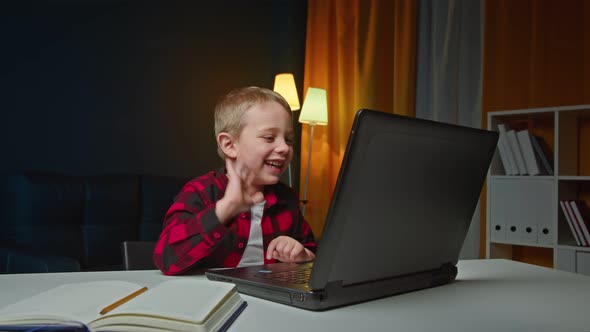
(315, 107)
(285, 86)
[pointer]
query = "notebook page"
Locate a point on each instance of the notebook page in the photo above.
(69, 302)
(182, 299)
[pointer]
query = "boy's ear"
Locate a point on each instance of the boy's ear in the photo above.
(227, 144)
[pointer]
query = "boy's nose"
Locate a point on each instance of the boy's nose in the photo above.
(282, 147)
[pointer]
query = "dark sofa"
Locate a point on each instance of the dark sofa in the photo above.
(53, 222)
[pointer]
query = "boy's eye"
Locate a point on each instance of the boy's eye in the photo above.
(289, 141)
(269, 138)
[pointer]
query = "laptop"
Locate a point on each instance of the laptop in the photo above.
(401, 208)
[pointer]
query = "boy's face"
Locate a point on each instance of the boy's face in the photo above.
(265, 145)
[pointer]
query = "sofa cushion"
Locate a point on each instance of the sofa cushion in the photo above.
(38, 208)
(16, 261)
(110, 217)
(52, 222)
(157, 195)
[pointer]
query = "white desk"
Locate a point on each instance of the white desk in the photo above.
(489, 295)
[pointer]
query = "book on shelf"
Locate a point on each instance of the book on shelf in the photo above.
(576, 223)
(542, 154)
(579, 212)
(506, 154)
(525, 143)
(513, 141)
(508, 168)
(113, 305)
(570, 222)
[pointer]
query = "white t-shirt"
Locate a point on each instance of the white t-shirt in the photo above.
(254, 252)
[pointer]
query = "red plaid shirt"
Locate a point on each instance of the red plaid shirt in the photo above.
(193, 237)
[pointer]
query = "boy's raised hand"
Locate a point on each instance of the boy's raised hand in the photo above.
(287, 249)
(240, 195)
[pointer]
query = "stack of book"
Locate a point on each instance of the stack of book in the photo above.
(576, 215)
(523, 153)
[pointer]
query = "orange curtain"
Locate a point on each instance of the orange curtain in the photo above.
(536, 54)
(363, 52)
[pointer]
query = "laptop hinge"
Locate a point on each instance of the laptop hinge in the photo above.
(337, 292)
(443, 272)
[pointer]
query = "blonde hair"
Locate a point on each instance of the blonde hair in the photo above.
(230, 109)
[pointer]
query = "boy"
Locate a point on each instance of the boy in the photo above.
(245, 216)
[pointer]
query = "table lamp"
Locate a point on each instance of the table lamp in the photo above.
(314, 112)
(285, 86)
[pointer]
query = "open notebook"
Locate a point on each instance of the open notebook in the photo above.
(113, 305)
(401, 209)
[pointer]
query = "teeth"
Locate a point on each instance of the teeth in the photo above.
(274, 164)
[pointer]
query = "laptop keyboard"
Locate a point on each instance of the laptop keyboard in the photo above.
(300, 276)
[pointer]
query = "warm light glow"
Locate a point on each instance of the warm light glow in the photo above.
(315, 107)
(285, 86)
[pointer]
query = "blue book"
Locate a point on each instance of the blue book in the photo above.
(62, 327)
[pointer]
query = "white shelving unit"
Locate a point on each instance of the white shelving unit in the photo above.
(523, 210)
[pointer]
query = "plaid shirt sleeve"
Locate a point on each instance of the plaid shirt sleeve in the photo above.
(194, 237)
(191, 230)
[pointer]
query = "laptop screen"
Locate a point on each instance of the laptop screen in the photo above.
(407, 190)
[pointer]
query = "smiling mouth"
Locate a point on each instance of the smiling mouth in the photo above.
(274, 164)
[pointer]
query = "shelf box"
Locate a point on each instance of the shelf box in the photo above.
(572, 260)
(565, 260)
(522, 210)
(583, 262)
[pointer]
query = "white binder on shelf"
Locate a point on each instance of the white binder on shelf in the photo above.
(503, 141)
(498, 212)
(511, 134)
(528, 153)
(508, 168)
(513, 211)
(543, 192)
(506, 155)
(527, 209)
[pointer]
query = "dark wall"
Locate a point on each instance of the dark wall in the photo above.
(129, 86)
